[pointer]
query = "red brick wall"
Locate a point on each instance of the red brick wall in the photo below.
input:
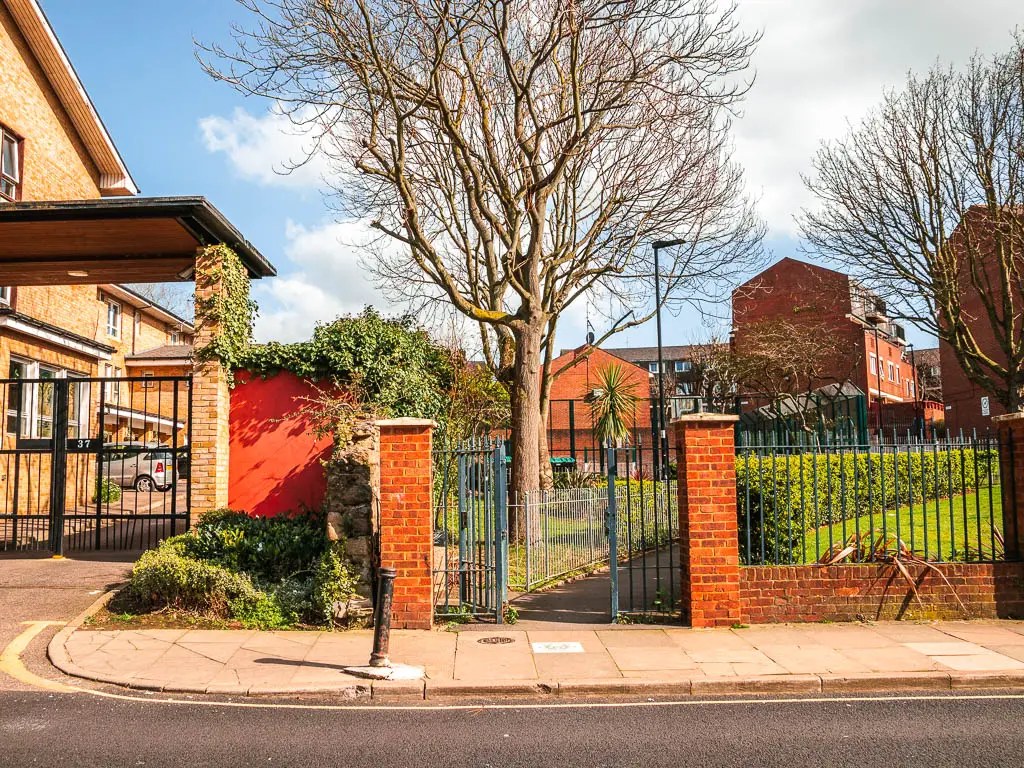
(708, 527)
(850, 592)
(406, 522)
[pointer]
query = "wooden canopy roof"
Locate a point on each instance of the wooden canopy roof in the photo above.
(114, 240)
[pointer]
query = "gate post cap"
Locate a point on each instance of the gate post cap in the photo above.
(406, 421)
(725, 418)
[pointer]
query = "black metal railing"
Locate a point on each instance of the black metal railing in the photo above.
(938, 502)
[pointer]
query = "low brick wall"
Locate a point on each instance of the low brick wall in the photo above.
(850, 592)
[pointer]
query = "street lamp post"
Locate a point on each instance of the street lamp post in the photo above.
(662, 433)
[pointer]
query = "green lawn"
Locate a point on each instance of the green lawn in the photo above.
(940, 519)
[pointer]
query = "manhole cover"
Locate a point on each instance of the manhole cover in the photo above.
(499, 640)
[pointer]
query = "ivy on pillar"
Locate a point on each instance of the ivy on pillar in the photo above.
(708, 527)
(224, 318)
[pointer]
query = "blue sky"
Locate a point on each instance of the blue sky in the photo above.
(181, 133)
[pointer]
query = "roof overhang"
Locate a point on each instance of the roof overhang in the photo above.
(115, 240)
(35, 28)
(51, 334)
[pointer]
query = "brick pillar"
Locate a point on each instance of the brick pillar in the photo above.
(406, 518)
(210, 400)
(708, 528)
(1011, 470)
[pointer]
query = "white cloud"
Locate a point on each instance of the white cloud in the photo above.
(265, 149)
(329, 281)
(822, 64)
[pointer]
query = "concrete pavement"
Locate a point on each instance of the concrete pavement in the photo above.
(806, 658)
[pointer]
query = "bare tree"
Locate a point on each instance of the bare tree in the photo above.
(924, 200)
(523, 152)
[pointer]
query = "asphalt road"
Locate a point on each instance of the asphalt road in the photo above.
(83, 730)
(39, 588)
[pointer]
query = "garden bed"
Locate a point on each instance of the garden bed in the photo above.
(234, 571)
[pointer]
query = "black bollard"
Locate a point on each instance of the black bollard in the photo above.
(382, 618)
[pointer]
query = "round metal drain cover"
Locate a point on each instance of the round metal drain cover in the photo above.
(498, 640)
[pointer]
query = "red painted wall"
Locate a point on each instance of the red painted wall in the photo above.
(275, 460)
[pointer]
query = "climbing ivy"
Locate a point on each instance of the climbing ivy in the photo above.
(390, 364)
(230, 308)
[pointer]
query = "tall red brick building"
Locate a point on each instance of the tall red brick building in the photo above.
(826, 302)
(968, 406)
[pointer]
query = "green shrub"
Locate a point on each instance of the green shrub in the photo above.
(106, 492)
(786, 495)
(165, 576)
(267, 573)
(268, 548)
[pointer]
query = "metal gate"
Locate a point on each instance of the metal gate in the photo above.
(94, 463)
(643, 537)
(471, 530)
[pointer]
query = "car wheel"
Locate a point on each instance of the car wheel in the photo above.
(144, 484)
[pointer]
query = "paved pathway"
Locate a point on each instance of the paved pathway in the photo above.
(216, 661)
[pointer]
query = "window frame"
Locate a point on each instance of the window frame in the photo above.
(19, 144)
(873, 363)
(6, 294)
(652, 367)
(683, 366)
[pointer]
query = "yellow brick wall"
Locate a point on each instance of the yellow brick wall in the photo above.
(56, 166)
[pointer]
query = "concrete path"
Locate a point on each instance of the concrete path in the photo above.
(803, 658)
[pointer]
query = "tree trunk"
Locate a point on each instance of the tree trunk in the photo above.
(526, 422)
(547, 479)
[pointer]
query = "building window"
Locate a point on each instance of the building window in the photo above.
(652, 367)
(148, 384)
(175, 337)
(683, 366)
(873, 362)
(113, 319)
(892, 376)
(10, 166)
(17, 398)
(5, 294)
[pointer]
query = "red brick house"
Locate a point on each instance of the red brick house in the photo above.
(832, 304)
(570, 424)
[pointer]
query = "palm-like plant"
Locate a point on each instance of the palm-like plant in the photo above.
(613, 403)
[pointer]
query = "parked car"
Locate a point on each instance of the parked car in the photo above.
(142, 466)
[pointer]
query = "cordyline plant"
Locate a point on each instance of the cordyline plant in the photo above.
(612, 404)
(887, 550)
(518, 156)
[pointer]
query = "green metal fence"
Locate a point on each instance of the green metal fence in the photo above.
(937, 502)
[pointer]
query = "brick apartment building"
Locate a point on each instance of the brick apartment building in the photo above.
(682, 368)
(570, 422)
(823, 301)
(968, 407)
(71, 233)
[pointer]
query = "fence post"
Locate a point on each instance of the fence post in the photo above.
(611, 524)
(501, 532)
(708, 526)
(1011, 472)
